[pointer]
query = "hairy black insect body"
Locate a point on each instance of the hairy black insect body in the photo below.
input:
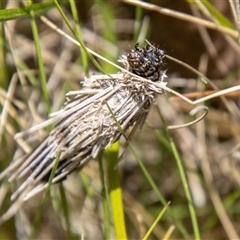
(146, 62)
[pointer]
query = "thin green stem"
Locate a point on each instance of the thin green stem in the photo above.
(151, 182)
(65, 208)
(155, 222)
(184, 182)
(84, 55)
(44, 199)
(106, 210)
(78, 39)
(39, 59)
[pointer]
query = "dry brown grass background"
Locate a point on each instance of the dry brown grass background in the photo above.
(209, 149)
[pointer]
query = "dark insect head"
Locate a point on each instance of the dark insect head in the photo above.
(146, 62)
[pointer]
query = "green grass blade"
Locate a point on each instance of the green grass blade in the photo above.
(84, 55)
(78, 39)
(151, 182)
(4, 71)
(217, 15)
(37, 8)
(115, 191)
(158, 193)
(40, 60)
(155, 222)
(106, 210)
(184, 182)
(138, 19)
(65, 208)
(86, 183)
(44, 198)
(169, 232)
(186, 189)
(108, 32)
(30, 76)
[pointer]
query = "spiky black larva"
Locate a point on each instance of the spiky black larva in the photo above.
(146, 62)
